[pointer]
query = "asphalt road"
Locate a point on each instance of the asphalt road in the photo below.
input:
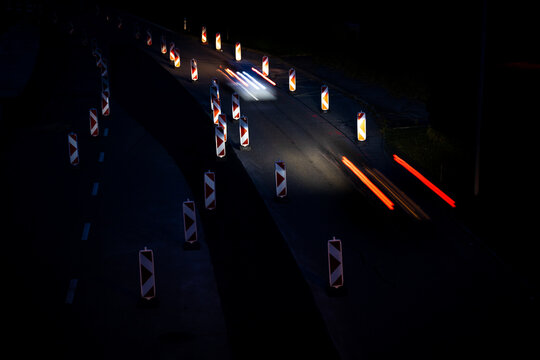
(415, 288)
(419, 289)
(74, 233)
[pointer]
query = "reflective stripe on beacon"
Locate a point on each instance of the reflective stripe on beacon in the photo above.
(73, 149)
(146, 273)
(281, 179)
(218, 41)
(105, 107)
(238, 51)
(171, 51)
(335, 263)
(209, 190)
(235, 106)
(265, 65)
(94, 127)
(163, 45)
(220, 141)
(176, 58)
(204, 40)
(292, 80)
(244, 132)
(190, 221)
(361, 126)
(148, 38)
(325, 101)
(194, 71)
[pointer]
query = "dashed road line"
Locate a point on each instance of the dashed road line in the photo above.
(70, 295)
(86, 231)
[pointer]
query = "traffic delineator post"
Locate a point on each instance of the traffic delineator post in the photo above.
(194, 71)
(244, 133)
(209, 190)
(361, 126)
(292, 80)
(176, 58)
(218, 42)
(73, 149)
(280, 175)
(163, 45)
(235, 106)
(204, 39)
(94, 126)
(222, 121)
(105, 84)
(148, 38)
(147, 274)
(104, 69)
(171, 51)
(214, 94)
(325, 99)
(190, 225)
(216, 110)
(265, 66)
(238, 51)
(220, 141)
(335, 266)
(105, 105)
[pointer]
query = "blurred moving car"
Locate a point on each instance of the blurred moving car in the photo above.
(251, 84)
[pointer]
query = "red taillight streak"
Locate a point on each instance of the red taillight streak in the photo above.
(426, 182)
(263, 76)
(389, 204)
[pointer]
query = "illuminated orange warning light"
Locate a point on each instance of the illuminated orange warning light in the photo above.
(428, 183)
(389, 204)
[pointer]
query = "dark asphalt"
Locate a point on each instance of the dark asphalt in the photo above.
(268, 307)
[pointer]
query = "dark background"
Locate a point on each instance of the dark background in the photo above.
(437, 48)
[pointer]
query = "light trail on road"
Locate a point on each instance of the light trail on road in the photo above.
(389, 204)
(426, 182)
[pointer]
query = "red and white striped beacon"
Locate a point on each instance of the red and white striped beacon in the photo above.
(218, 41)
(235, 106)
(148, 38)
(176, 58)
(105, 106)
(94, 126)
(163, 44)
(216, 109)
(209, 190)
(335, 263)
(281, 179)
(190, 222)
(265, 65)
(147, 274)
(204, 39)
(238, 51)
(220, 141)
(73, 149)
(171, 51)
(292, 80)
(244, 132)
(361, 126)
(325, 100)
(194, 71)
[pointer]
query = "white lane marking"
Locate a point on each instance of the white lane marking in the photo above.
(71, 291)
(101, 156)
(106, 132)
(95, 189)
(86, 230)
